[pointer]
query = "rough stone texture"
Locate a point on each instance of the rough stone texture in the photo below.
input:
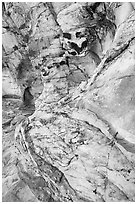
(79, 144)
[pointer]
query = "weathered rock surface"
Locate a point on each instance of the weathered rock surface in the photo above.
(9, 85)
(79, 144)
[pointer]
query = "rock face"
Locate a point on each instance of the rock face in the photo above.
(78, 145)
(9, 85)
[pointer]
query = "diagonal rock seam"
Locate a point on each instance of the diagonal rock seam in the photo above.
(106, 60)
(37, 158)
(52, 173)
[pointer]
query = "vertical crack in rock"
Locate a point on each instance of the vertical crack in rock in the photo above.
(51, 9)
